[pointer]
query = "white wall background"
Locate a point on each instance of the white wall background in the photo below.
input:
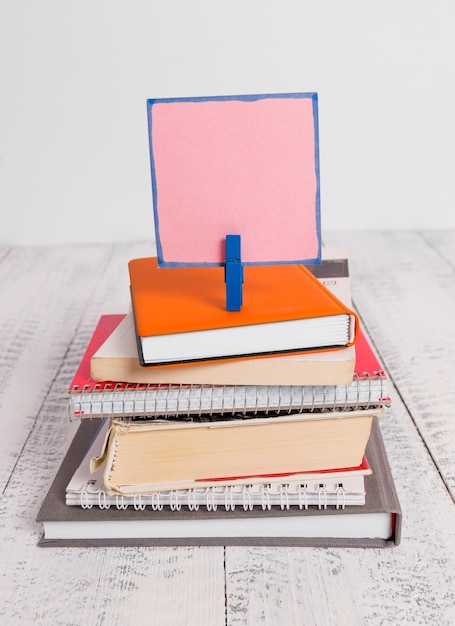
(74, 78)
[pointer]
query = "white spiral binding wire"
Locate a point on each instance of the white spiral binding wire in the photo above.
(85, 504)
(247, 501)
(229, 500)
(265, 499)
(120, 503)
(137, 502)
(193, 505)
(156, 504)
(322, 497)
(341, 498)
(303, 500)
(192, 401)
(212, 497)
(102, 500)
(284, 498)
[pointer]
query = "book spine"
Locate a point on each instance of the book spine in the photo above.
(192, 401)
(213, 497)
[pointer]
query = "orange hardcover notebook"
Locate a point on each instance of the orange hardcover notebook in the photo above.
(180, 313)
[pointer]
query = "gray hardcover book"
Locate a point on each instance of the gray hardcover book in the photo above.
(376, 524)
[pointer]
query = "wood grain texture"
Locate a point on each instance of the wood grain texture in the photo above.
(51, 300)
(403, 285)
(38, 319)
(410, 584)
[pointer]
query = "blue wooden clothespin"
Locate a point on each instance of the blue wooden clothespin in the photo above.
(233, 273)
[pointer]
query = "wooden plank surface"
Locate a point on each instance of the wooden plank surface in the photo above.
(403, 285)
(50, 301)
(409, 584)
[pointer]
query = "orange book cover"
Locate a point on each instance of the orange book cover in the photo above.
(181, 301)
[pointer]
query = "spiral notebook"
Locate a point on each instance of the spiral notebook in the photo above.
(89, 398)
(375, 524)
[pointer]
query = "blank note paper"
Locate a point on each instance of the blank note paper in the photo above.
(244, 165)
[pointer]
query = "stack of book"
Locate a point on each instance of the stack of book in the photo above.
(238, 402)
(216, 432)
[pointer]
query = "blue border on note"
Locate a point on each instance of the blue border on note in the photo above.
(246, 98)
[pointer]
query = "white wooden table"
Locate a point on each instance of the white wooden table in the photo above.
(403, 286)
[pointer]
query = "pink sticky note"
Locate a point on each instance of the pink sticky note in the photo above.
(244, 165)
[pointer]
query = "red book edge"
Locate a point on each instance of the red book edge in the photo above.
(364, 467)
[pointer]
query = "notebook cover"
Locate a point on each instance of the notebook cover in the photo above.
(104, 327)
(381, 496)
(271, 293)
